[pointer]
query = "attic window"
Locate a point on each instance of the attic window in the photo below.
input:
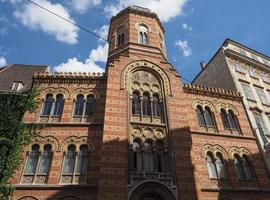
(17, 86)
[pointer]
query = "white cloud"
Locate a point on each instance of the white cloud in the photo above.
(83, 5)
(184, 47)
(37, 19)
(166, 9)
(99, 54)
(187, 27)
(89, 65)
(3, 61)
(103, 31)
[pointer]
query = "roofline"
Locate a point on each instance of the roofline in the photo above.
(219, 49)
(133, 9)
(246, 47)
(30, 65)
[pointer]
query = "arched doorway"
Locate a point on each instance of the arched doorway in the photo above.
(151, 191)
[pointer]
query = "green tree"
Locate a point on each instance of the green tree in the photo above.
(14, 134)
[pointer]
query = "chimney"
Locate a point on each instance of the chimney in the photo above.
(202, 65)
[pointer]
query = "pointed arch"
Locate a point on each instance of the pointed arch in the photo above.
(215, 149)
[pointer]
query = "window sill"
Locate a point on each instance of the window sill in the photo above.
(243, 73)
(267, 105)
(253, 100)
(51, 186)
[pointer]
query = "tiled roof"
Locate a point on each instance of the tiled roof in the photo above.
(19, 73)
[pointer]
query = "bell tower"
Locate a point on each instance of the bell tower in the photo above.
(136, 148)
(136, 29)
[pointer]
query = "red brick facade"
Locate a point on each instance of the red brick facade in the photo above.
(112, 129)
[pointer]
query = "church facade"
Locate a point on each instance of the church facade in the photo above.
(137, 132)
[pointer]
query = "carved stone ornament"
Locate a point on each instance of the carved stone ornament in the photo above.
(144, 66)
(240, 151)
(227, 107)
(203, 104)
(42, 141)
(85, 92)
(146, 132)
(214, 149)
(77, 141)
(54, 92)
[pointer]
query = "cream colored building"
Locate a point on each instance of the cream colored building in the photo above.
(237, 67)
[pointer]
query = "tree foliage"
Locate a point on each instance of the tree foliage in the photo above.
(14, 134)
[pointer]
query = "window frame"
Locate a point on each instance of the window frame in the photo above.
(36, 170)
(74, 173)
(248, 91)
(262, 96)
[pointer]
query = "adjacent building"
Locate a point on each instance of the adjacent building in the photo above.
(18, 77)
(137, 132)
(237, 67)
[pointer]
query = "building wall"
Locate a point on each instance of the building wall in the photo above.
(248, 59)
(194, 139)
(109, 132)
(62, 131)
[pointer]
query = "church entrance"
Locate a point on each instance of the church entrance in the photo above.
(151, 191)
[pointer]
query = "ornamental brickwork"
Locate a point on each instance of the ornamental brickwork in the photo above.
(137, 132)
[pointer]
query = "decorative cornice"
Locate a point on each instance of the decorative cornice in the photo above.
(212, 91)
(140, 11)
(75, 75)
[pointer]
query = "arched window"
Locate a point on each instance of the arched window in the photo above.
(45, 161)
(75, 165)
(90, 101)
(211, 167)
(136, 104)
(238, 167)
(48, 105)
(32, 160)
(233, 120)
(146, 105)
(221, 167)
(120, 36)
(143, 35)
(59, 105)
(209, 117)
(37, 165)
(70, 158)
(156, 106)
(229, 120)
(148, 157)
(224, 118)
(247, 168)
(82, 161)
(161, 160)
(137, 156)
(79, 105)
(200, 116)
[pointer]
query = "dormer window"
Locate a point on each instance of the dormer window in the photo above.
(120, 36)
(17, 86)
(143, 34)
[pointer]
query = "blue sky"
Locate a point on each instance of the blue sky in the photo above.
(194, 31)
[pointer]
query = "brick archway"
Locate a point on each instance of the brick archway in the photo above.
(151, 191)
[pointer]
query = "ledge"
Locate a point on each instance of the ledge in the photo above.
(52, 186)
(66, 124)
(235, 189)
(223, 135)
(212, 91)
